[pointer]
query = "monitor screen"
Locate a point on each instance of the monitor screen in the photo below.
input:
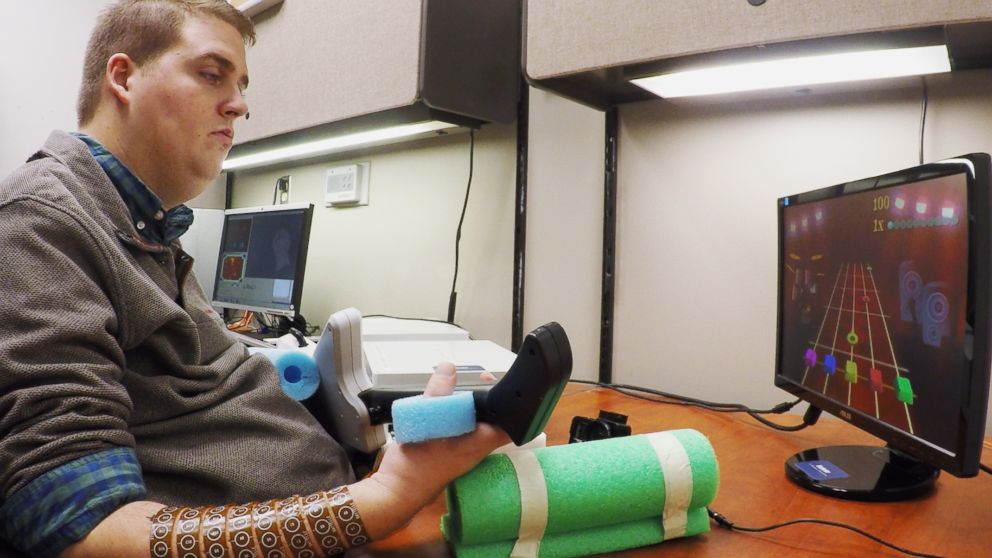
(263, 254)
(883, 307)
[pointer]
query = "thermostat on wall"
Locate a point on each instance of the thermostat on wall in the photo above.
(347, 185)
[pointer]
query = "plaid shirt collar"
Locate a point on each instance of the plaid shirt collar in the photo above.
(154, 223)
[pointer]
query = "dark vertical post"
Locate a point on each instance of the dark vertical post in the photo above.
(609, 247)
(520, 218)
(228, 189)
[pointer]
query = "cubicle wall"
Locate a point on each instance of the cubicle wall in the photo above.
(696, 240)
(396, 255)
(565, 224)
(306, 68)
(43, 43)
(561, 32)
(697, 180)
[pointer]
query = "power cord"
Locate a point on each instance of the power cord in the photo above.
(458, 234)
(727, 524)
(412, 319)
(985, 468)
(676, 399)
(923, 115)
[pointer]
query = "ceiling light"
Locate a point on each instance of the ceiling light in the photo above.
(793, 72)
(335, 144)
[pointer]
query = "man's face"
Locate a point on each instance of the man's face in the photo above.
(182, 110)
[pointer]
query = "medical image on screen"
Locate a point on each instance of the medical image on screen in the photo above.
(874, 300)
(237, 234)
(274, 247)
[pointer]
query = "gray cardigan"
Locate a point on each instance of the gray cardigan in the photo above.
(106, 340)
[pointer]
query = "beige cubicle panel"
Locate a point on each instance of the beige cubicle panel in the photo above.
(319, 63)
(316, 62)
(588, 49)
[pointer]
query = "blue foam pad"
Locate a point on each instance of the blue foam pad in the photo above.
(298, 375)
(419, 418)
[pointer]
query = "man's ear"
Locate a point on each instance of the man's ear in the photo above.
(120, 68)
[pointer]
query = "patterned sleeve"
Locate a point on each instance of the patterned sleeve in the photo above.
(63, 505)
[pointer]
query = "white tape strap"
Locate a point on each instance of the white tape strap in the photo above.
(533, 504)
(677, 471)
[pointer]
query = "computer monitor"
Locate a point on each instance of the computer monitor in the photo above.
(263, 255)
(883, 321)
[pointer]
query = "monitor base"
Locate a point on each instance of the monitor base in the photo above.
(866, 473)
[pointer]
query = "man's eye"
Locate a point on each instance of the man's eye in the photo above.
(212, 78)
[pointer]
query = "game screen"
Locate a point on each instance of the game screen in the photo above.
(873, 291)
(258, 261)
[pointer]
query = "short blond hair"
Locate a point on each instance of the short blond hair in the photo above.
(144, 29)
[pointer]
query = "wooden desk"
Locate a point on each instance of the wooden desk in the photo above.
(955, 520)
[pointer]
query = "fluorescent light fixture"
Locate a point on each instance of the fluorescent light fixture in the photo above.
(335, 144)
(793, 72)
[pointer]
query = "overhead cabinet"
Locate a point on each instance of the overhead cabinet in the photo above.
(322, 65)
(589, 49)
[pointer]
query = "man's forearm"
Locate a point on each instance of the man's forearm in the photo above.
(322, 523)
(122, 534)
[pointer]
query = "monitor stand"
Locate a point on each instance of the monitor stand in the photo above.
(867, 473)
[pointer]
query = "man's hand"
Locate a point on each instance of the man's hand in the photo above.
(412, 475)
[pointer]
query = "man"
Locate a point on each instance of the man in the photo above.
(120, 392)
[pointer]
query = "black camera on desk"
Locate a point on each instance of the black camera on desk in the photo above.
(607, 425)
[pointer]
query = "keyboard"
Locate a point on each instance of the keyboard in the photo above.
(250, 341)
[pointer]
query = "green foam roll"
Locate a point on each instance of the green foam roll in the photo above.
(595, 540)
(601, 496)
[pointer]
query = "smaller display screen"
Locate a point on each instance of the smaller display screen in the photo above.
(262, 259)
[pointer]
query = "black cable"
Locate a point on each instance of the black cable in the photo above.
(776, 426)
(411, 319)
(923, 115)
(708, 405)
(458, 234)
(738, 407)
(727, 524)
(985, 468)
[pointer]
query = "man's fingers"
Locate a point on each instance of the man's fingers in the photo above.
(442, 381)
(492, 436)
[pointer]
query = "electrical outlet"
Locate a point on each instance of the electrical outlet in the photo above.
(282, 190)
(347, 185)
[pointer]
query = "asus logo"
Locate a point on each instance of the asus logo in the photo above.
(845, 415)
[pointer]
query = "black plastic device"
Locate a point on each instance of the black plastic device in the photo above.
(607, 425)
(521, 402)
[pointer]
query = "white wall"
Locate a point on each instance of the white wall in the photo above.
(565, 224)
(42, 44)
(696, 247)
(396, 255)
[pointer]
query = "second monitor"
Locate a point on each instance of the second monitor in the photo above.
(263, 255)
